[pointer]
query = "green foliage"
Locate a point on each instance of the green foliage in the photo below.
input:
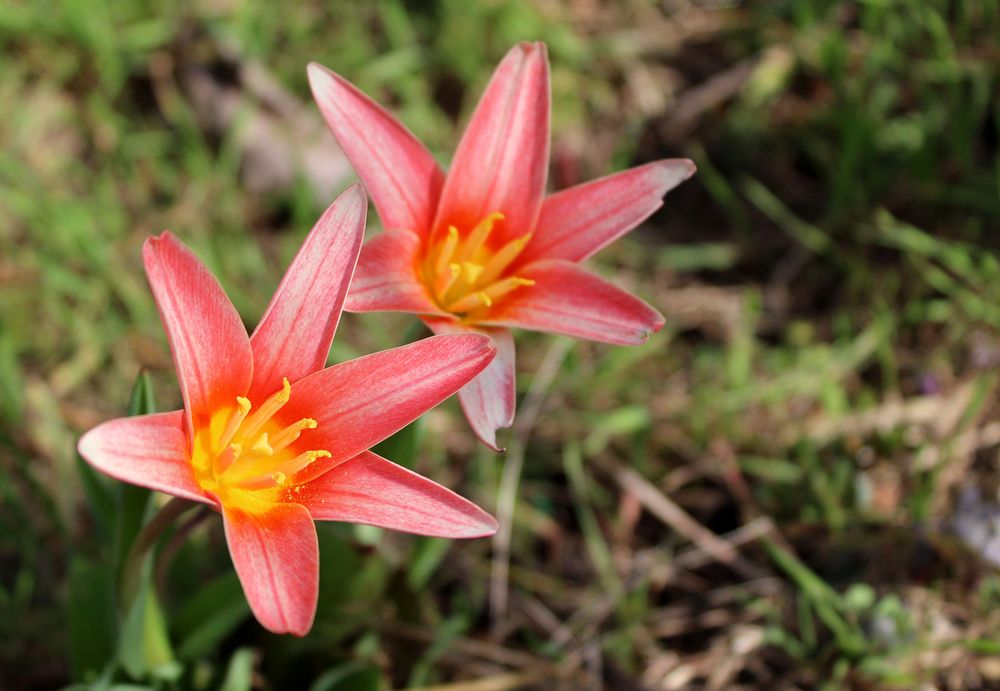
(829, 276)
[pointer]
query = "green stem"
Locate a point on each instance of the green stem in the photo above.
(174, 544)
(144, 542)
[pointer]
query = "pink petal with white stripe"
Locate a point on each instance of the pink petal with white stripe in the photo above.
(399, 173)
(276, 555)
(577, 222)
(489, 400)
(207, 338)
(371, 490)
(360, 402)
(567, 299)
(147, 450)
(501, 163)
(294, 335)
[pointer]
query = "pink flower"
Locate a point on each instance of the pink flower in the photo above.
(272, 439)
(482, 249)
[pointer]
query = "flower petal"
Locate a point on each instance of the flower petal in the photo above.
(276, 555)
(577, 222)
(147, 450)
(501, 164)
(360, 402)
(488, 400)
(371, 490)
(567, 299)
(207, 338)
(401, 176)
(294, 335)
(386, 278)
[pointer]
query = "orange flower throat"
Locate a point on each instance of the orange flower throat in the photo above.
(246, 458)
(466, 276)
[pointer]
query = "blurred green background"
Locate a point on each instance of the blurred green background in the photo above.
(793, 485)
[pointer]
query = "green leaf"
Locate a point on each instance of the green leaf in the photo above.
(92, 630)
(100, 497)
(350, 676)
(404, 446)
(424, 559)
(239, 675)
(141, 402)
(351, 583)
(145, 648)
(594, 540)
(621, 422)
(444, 633)
(210, 615)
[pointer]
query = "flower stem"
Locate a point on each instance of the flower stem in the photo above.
(511, 479)
(151, 532)
(174, 544)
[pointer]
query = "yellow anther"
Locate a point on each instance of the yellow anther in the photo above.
(280, 479)
(470, 302)
(235, 420)
(286, 436)
(260, 472)
(478, 236)
(272, 405)
(447, 250)
(502, 259)
(299, 462)
(501, 288)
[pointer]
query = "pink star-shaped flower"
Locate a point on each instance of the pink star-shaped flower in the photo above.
(482, 249)
(272, 438)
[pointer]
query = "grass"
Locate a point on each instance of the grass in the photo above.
(764, 496)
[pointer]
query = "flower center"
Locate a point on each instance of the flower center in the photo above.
(244, 451)
(466, 275)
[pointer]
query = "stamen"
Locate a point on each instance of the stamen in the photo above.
(469, 302)
(505, 286)
(502, 259)
(288, 435)
(226, 457)
(445, 280)
(301, 461)
(235, 420)
(272, 405)
(261, 472)
(447, 249)
(252, 452)
(463, 273)
(478, 236)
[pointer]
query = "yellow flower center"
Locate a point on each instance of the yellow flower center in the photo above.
(246, 458)
(466, 275)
